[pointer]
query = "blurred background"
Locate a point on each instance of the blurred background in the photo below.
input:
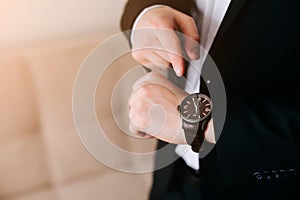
(42, 44)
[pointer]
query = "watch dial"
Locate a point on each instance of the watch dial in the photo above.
(195, 107)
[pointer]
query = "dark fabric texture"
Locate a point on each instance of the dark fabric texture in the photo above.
(257, 53)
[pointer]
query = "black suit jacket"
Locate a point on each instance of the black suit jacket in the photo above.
(257, 52)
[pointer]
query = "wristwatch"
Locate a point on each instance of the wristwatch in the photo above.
(195, 111)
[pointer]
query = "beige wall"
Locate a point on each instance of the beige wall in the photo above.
(42, 45)
(31, 21)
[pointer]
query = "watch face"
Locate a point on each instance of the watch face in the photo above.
(195, 108)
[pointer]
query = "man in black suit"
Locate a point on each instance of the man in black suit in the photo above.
(256, 49)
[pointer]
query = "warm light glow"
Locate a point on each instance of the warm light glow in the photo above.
(33, 20)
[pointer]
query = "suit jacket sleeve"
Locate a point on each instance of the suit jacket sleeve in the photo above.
(134, 7)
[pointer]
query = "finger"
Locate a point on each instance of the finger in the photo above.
(157, 60)
(191, 36)
(141, 55)
(133, 129)
(139, 113)
(151, 58)
(140, 94)
(158, 120)
(171, 44)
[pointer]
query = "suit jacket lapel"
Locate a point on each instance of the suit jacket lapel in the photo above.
(234, 9)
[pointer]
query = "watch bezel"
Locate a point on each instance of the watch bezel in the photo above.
(190, 97)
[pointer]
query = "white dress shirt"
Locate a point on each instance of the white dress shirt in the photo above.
(213, 14)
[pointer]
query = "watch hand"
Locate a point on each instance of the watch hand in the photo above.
(196, 107)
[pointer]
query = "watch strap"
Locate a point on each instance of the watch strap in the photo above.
(190, 131)
(194, 134)
(199, 138)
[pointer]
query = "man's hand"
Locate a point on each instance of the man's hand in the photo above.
(153, 109)
(155, 44)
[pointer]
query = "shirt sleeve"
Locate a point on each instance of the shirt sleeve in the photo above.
(140, 16)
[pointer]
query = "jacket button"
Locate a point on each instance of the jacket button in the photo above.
(293, 172)
(267, 176)
(283, 174)
(258, 176)
(275, 175)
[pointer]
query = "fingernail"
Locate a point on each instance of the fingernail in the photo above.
(196, 52)
(178, 72)
(141, 134)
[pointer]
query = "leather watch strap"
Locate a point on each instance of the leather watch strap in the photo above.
(194, 134)
(190, 131)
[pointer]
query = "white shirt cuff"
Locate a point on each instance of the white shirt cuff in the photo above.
(140, 16)
(189, 156)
